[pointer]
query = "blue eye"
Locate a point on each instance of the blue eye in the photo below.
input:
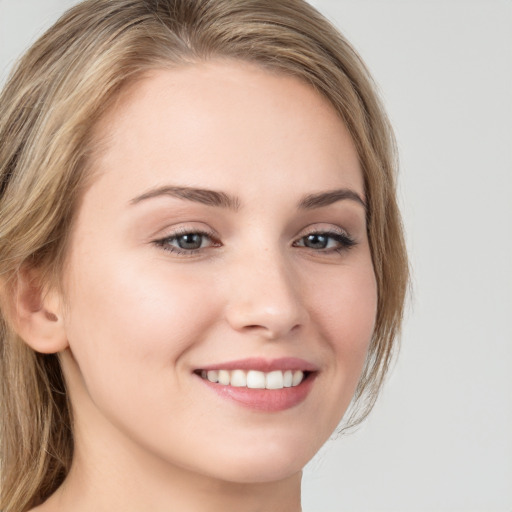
(186, 243)
(326, 241)
(190, 241)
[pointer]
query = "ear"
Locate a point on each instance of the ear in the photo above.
(37, 314)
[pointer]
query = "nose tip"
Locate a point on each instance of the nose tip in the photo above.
(266, 303)
(268, 322)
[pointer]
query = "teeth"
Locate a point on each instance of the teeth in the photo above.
(238, 379)
(297, 378)
(224, 377)
(275, 380)
(254, 379)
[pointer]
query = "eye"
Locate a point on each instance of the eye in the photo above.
(187, 242)
(326, 241)
(190, 241)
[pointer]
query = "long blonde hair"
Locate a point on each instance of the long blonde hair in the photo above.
(52, 101)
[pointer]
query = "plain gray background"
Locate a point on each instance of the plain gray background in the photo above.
(440, 439)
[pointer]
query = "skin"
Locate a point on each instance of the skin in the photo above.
(139, 319)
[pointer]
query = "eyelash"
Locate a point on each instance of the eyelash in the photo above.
(165, 245)
(345, 241)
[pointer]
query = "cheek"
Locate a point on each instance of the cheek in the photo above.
(134, 321)
(345, 313)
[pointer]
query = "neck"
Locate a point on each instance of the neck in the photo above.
(181, 490)
(110, 477)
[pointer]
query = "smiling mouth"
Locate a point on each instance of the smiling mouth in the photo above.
(254, 379)
(265, 385)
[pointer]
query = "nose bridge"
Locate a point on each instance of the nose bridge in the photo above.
(264, 294)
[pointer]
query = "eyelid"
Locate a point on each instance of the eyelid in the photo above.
(322, 228)
(186, 229)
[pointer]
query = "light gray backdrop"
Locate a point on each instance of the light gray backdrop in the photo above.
(440, 439)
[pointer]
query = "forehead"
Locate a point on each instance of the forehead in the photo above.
(213, 123)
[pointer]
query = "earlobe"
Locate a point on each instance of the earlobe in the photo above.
(37, 315)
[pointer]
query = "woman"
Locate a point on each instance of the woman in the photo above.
(202, 260)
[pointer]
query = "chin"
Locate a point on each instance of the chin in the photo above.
(263, 462)
(254, 472)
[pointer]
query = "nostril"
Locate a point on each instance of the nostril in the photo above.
(262, 312)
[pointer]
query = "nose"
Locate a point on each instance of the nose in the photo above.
(264, 297)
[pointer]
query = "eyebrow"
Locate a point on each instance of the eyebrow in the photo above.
(320, 199)
(198, 195)
(223, 200)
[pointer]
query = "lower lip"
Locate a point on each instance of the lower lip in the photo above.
(269, 400)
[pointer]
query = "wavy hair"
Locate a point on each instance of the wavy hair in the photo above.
(52, 101)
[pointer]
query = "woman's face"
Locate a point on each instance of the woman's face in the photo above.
(224, 230)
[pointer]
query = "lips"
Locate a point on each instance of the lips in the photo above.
(265, 365)
(255, 379)
(265, 385)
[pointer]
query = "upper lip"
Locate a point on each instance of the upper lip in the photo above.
(264, 365)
